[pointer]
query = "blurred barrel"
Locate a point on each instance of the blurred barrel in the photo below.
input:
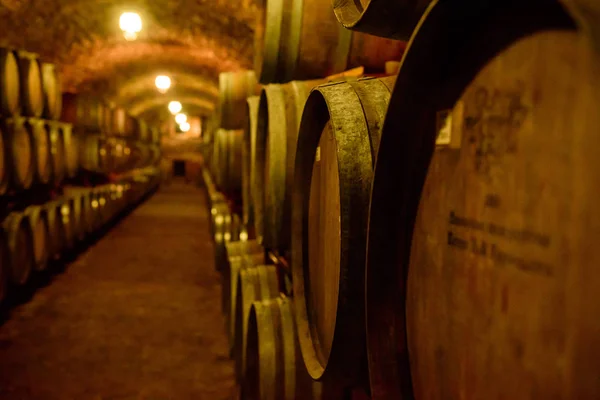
(20, 248)
(32, 99)
(20, 147)
(57, 229)
(337, 146)
(51, 90)
(41, 150)
(304, 40)
(107, 120)
(4, 269)
(482, 273)
(71, 143)
(93, 153)
(279, 116)
(394, 19)
(5, 174)
(155, 135)
(69, 221)
(85, 112)
(9, 83)
(254, 284)
(37, 217)
(234, 88)
(248, 163)
(57, 151)
(228, 160)
(274, 367)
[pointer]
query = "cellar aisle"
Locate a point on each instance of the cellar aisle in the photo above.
(136, 316)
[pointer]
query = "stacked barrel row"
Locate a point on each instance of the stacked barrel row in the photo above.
(437, 226)
(39, 237)
(35, 148)
(110, 140)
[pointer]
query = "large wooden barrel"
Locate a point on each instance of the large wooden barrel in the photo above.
(228, 160)
(37, 218)
(254, 284)
(20, 248)
(234, 88)
(279, 115)
(84, 112)
(70, 221)
(248, 162)
(4, 162)
(9, 83)
(71, 153)
(81, 210)
(274, 367)
(41, 150)
(32, 99)
(20, 148)
(57, 229)
(299, 40)
(51, 90)
(337, 146)
(4, 270)
(394, 19)
(57, 151)
(482, 275)
(226, 228)
(93, 153)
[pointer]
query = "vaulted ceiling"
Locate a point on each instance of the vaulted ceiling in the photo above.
(192, 41)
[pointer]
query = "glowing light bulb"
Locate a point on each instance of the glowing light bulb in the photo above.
(163, 83)
(185, 127)
(175, 107)
(131, 24)
(180, 118)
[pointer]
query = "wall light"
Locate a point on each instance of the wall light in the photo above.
(163, 83)
(131, 24)
(180, 118)
(185, 127)
(174, 107)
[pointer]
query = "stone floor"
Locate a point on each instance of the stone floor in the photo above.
(135, 316)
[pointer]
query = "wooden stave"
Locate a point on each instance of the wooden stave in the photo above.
(400, 183)
(248, 162)
(234, 89)
(32, 99)
(37, 215)
(9, 75)
(41, 150)
(20, 241)
(51, 91)
(390, 19)
(24, 179)
(254, 284)
(356, 152)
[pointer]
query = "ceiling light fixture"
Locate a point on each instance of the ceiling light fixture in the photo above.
(185, 127)
(180, 118)
(131, 24)
(163, 83)
(175, 107)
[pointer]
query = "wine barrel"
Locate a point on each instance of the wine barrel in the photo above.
(20, 146)
(388, 18)
(248, 162)
(9, 83)
(279, 115)
(274, 368)
(337, 146)
(234, 88)
(69, 223)
(143, 132)
(81, 210)
(37, 218)
(303, 40)
(4, 162)
(57, 229)
(71, 152)
(226, 228)
(57, 151)
(78, 215)
(32, 99)
(51, 90)
(20, 248)
(482, 274)
(228, 160)
(254, 284)
(85, 112)
(4, 260)
(41, 150)
(93, 153)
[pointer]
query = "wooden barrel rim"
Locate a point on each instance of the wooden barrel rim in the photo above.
(9, 66)
(266, 41)
(20, 179)
(31, 97)
(35, 214)
(254, 283)
(249, 141)
(354, 134)
(39, 134)
(51, 90)
(16, 225)
(423, 88)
